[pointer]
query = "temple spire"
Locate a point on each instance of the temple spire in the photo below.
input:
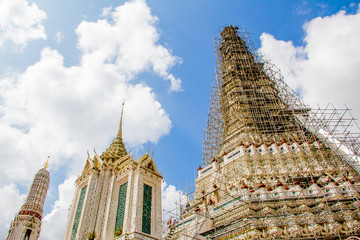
(27, 223)
(117, 148)
(46, 164)
(121, 119)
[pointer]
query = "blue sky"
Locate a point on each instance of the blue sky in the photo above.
(66, 67)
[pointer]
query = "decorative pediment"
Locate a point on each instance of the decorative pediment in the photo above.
(97, 160)
(87, 166)
(31, 223)
(314, 187)
(31, 226)
(90, 163)
(268, 211)
(147, 162)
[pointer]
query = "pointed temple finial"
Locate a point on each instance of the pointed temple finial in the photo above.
(121, 119)
(117, 147)
(46, 164)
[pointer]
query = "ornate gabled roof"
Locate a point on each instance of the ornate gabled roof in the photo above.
(123, 161)
(148, 162)
(117, 148)
(90, 163)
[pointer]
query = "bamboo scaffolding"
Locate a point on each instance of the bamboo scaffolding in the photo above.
(278, 166)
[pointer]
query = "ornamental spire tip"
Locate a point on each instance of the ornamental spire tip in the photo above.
(121, 119)
(46, 164)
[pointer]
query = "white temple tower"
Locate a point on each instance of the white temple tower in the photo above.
(27, 223)
(116, 197)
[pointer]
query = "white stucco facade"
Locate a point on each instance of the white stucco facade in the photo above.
(97, 205)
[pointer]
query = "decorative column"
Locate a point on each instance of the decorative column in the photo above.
(103, 197)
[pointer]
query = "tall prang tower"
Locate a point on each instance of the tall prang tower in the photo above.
(272, 167)
(116, 197)
(27, 223)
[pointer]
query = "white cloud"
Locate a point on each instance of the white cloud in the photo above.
(326, 68)
(59, 214)
(130, 33)
(10, 203)
(52, 109)
(106, 12)
(171, 201)
(20, 22)
(352, 5)
(59, 36)
(175, 83)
